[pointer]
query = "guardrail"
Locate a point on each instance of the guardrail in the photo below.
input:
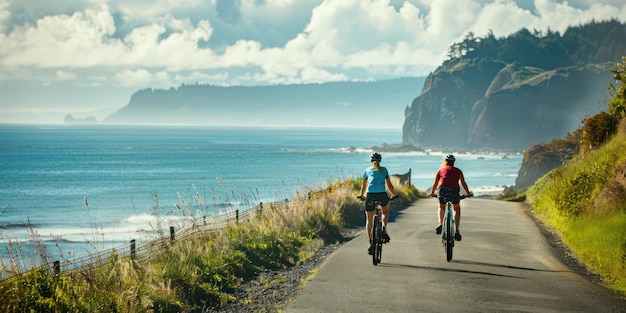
(143, 251)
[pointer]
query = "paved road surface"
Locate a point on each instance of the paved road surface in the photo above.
(503, 264)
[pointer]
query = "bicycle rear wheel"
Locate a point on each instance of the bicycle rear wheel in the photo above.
(449, 240)
(377, 240)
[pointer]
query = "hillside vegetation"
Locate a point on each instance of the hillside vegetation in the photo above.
(584, 200)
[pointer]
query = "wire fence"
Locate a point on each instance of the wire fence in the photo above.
(143, 251)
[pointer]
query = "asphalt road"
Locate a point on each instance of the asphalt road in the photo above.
(503, 264)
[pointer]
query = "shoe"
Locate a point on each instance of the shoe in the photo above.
(386, 238)
(438, 230)
(457, 236)
(370, 251)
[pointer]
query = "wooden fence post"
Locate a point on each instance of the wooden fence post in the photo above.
(237, 216)
(172, 235)
(57, 269)
(132, 249)
(409, 177)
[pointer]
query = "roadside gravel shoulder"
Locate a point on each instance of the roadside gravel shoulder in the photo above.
(565, 254)
(272, 289)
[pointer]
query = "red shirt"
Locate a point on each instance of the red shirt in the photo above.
(449, 177)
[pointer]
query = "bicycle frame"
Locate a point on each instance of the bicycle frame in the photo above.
(447, 231)
(377, 234)
(377, 230)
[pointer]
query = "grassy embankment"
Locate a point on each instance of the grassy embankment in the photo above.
(579, 200)
(584, 200)
(203, 270)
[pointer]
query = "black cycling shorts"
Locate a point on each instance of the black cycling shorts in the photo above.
(375, 196)
(449, 194)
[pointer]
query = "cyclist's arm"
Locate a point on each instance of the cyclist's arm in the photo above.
(434, 187)
(390, 187)
(464, 184)
(363, 187)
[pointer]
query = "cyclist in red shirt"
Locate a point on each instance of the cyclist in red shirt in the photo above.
(447, 181)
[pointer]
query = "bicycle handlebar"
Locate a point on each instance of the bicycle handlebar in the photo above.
(390, 198)
(462, 196)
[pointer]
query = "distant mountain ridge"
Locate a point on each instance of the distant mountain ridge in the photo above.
(373, 104)
(513, 92)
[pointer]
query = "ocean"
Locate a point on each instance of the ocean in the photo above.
(81, 188)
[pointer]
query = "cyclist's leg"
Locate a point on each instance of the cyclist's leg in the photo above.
(443, 194)
(457, 221)
(442, 210)
(368, 223)
(457, 216)
(385, 213)
(385, 216)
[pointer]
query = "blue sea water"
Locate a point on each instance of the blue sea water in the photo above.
(93, 185)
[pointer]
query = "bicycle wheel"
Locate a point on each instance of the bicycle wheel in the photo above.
(377, 240)
(379, 249)
(449, 240)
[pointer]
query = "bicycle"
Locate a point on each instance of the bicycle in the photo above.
(448, 229)
(377, 240)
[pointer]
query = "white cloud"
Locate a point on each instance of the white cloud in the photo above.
(502, 18)
(58, 41)
(134, 77)
(165, 43)
(315, 75)
(63, 75)
(373, 35)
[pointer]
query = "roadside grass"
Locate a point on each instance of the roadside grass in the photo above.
(201, 271)
(576, 200)
(601, 243)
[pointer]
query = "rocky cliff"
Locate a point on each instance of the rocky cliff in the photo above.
(541, 158)
(514, 92)
(504, 106)
(441, 114)
(546, 105)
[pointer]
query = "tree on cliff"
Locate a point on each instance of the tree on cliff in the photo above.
(617, 105)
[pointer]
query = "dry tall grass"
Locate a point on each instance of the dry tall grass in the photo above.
(201, 270)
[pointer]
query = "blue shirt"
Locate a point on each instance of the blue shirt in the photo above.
(375, 179)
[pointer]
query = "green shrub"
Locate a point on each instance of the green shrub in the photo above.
(597, 130)
(324, 224)
(617, 104)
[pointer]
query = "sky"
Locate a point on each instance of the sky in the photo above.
(87, 57)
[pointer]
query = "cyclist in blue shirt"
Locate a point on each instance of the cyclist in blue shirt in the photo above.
(376, 182)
